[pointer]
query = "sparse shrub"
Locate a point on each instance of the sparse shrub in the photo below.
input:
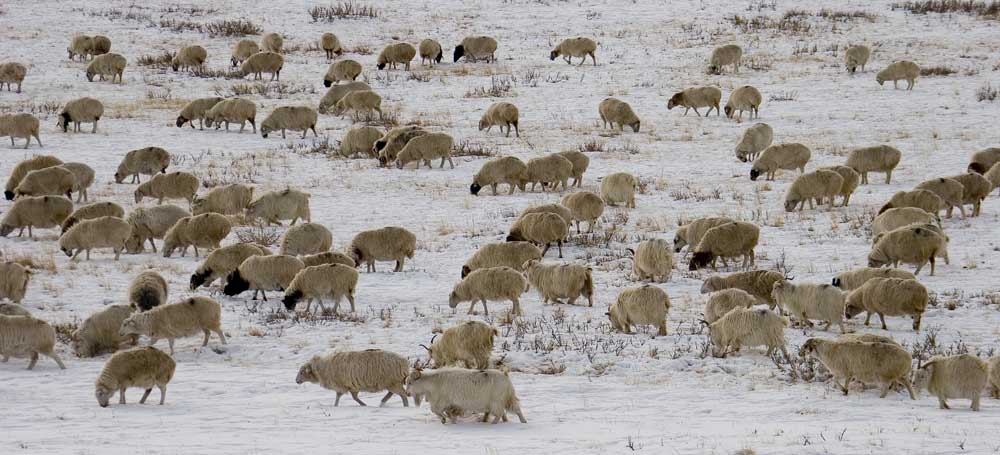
(275, 89)
(259, 233)
(500, 86)
(209, 73)
(977, 8)
(783, 96)
(233, 27)
(466, 147)
(159, 60)
(343, 10)
(986, 93)
(930, 71)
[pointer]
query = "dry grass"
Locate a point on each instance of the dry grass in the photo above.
(162, 59)
(343, 10)
(930, 71)
(977, 8)
(500, 87)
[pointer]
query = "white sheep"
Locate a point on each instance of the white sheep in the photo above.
(466, 345)
(295, 118)
(813, 186)
(758, 283)
(149, 223)
(453, 392)
(730, 54)
(331, 45)
(540, 229)
(994, 377)
(23, 126)
(728, 240)
(889, 296)
(103, 232)
(98, 333)
(262, 273)
(272, 42)
(189, 57)
(951, 192)
(613, 110)
(653, 260)
(984, 160)
(342, 70)
(335, 281)
(748, 327)
(231, 111)
(51, 181)
(13, 281)
(893, 219)
(147, 290)
(901, 70)
(851, 181)
(917, 245)
(389, 145)
(306, 238)
(856, 56)
(745, 98)
(359, 141)
(81, 110)
(232, 199)
(175, 185)
(112, 65)
(83, 177)
(206, 230)
(722, 302)
(956, 376)
(263, 62)
(557, 209)
(194, 110)
(975, 188)
(507, 169)
(139, 367)
(787, 156)
(11, 73)
(509, 254)
(619, 188)
(394, 54)
(185, 318)
(926, 200)
(880, 158)
(501, 114)
(243, 50)
(23, 168)
(883, 363)
(332, 96)
(808, 301)
(549, 169)
(696, 97)
(690, 234)
(425, 148)
(359, 101)
(558, 281)
(853, 279)
(223, 261)
(430, 51)
(372, 370)
(390, 243)
(147, 161)
(35, 212)
(25, 336)
(575, 47)
(753, 141)
(475, 48)
(580, 164)
(274, 206)
(644, 305)
(493, 284)
(80, 46)
(584, 206)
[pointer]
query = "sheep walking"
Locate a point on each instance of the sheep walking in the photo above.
(263, 62)
(111, 65)
(230, 199)
(722, 56)
(263, 273)
(696, 97)
(465, 345)
(25, 336)
(295, 118)
(540, 229)
(560, 281)
(975, 188)
(507, 169)
(493, 284)
(206, 230)
(951, 192)
(580, 164)
(51, 181)
(139, 367)
(342, 70)
(360, 102)
(373, 370)
(509, 254)
(811, 301)
(189, 57)
(925, 200)
(150, 223)
(853, 279)
(957, 376)
(335, 281)
(889, 296)
(748, 327)
(851, 180)
(335, 93)
(83, 177)
(103, 232)
(99, 333)
(453, 392)
(818, 186)
(729, 240)
(425, 148)
(195, 110)
(584, 206)
(390, 243)
(22, 169)
(917, 245)
(758, 283)
(788, 156)
(21, 126)
(394, 54)
(274, 206)
(722, 302)
(501, 114)
(575, 47)
(175, 185)
(146, 161)
(232, 110)
(548, 170)
(690, 234)
(387, 147)
(35, 212)
(306, 238)
(881, 158)
(223, 261)
(12, 73)
(81, 110)
(176, 320)
(883, 363)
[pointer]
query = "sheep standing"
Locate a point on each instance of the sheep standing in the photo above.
(893, 219)
(984, 160)
(359, 141)
(557, 281)
(557, 209)
(575, 47)
(619, 188)
(98, 333)
(653, 260)
(957, 376)
(102, 45)
(540, 229)
(811, 301)
(332, 96)
(975, 188)
(148, 290)
(722, 302)
(881, 158)
(24, 126)
(263, 62)
(394, 54)
(51, 181)
(295, 118)
(13, 281)
(83, 178)
(25, 336)
(613, 110)
(727, 241)
(335, 281)
(243, 50)
(229, 199)
(644, 305)
(306, 238)
(549, 169)
(691, 234)
(185, 318)
(901, 70)
(390, 243)
(23, 168)
(175, 185)
(195, 110)
(508, 169)
(231, 111)
(889, 296)
(856, 56)
(753, 141)
(223, 261)
(112, 65)
(509, 254)
(466, 345)
(475, 48)
(147, 161)
(580, 164)
(745, 98)
(80, 46)
(883, 363)
(274, 206)
(372, 370)
(758, 283)
(331, 45)
(262, 273)
(748, 327)
(189, 57)
(788, 156)
(343, 70)
(425, 148)
(813, 186)
(149, 223)
(430, 51)
(949, 190)
(206, 230)
(31, 212)
(272, 42)
(139, 367)
(853, 279)
(927, 201)
(103, 232)
(453, 392)
(501, 114)
(388, 146)
(11, 73)
(918, 245)
(851, 181)
(81, 110)
(359, 101)
(493, 284)
(729, 54)
(696, 97)
(584, 206)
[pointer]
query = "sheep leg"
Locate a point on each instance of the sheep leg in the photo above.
(336, 402)
(399, 265)
(559, 243)
(145, 395)
(486, 311)
(222, 337)
(882, 317)
(33, 361)
(355, 396)
(545, 249)
(350, 298)
(698, 113)
(662, 330)
(52, 355)
(472, 307)
(163, 393)
(942, 403)
(516, 307)
(205, 341)
(170, 342)
(847, 382)
(975, 403)
(386, 398)
(121, 393)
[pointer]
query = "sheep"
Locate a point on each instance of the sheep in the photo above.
(917, 245)
(883, 363)
(81, 110)
(957, 376)
(509, 254)
(856, 56)
(11, 73)
(994, 377)
(426, 148)
(556, 281)
(975, 188)
(40, 212)
(332, 96)
(880, 158)
(262, 273)
(745, 98)
(229, 199)
(501, 114)
(147, 291)
(328, 280)
(584, 206)
(491, 283)
(748, 327)
(653, 260)
(690, 234)
(993, 175)
(580, 164)
(851, 181)
(13, 282)
(90, 211)
(176, 320)
(901, 70)
(12, 309)
(618, 188)
(549, 169)
(359, 101)
(474, 48)
(811, 301)
(175, 185)
(390, 243)
(372, 370)
(205, 230)
(138, 367)
(263, 62)
(343, 70)
(189, 57)
(306, 238)
(727, 241)
(889, 296)
(453, 392)
(984, 160)
(83, 177)
(25, 336)
(942, 249)
(466, 345)
(951, 192)
(223, 261)
(758, 283)
(396, 53)
(557, 209)
(928, 201)
(101, 45)
(753, 141)
(722, 302)
(103, 232)
(729, 54)
(430, 51)
(388, 146)
(507, 169)
(643, 305)
(24, 167)
(50, 181)
(98, 333)
(274, 206)
(243, 50)
(328, 257)
(80, 46)
(817, 185)
(272, 42)
(231, 111)
(696, 97)
(295, 118)
(575, 47)
(853, 279)
(331, 45)
(613, 110)
(148, 161)
(896, 218)
(787, 156)
(149, 223)
(540, 229)
(24, 126)
(112, 65)
(359, 141)
(195, 110)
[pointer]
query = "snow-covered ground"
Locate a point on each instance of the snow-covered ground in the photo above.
(583, 388)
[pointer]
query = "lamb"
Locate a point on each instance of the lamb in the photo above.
(50, 181)
(263, 62)
(372, 370)
(748, 327)
(549, 169)
(917, 245)
(295, 118)
(993, 175)
(13, 282)
(231, 111)
(540, 229)
(758, 283)
(149, 223)
(729, 54)
(951, 192)
(653, 260)
(103, 232)
(11, 73)
(25, 336)
(390, 243)
(466, 345)
(148, 290)
(331, 45)
(229, 199)
(619, 188)
(396, 53)
(557, 281)
(359, 101)
(243, 50)
(35, 212)
(453, 392)
(80, 46)
(306, 238)
(754, 140)
(328, 280)
(509, 254)
(24, 126)
(274, 206)
(24, 167)
(139, 367)
(475, 48)
(727, 241)
(101, 45)
(328, 257)
(851, 181)
(343, 70)
(722, 302)
(691, 234)
(889, 296)
(206, 230)
(359, 141)
(425, 148)
(696, 97)
(856, 56)
(881, 158)
(430, 51)
(584, 206)
(507, 169)
(176, 320)
(745, 98)
(580, 164)
(195, 110)
(112, 65)
(896, 218)
(817, 185)
(492, 283)
(613, 110)
(99, 333)
(811, 301)
(12, 309)
(853, 279)
(975, 188)
(81, 110)
(928, 201)
(147, 161)
(984, 160)
(388, 146)
(643, 305)
(223, 261)
(957, 376)
(787, 156)
(575, 47)
(557, 209)
(272, 42)
(501, 114)
(175, 185)
(337, 92)
(189, 57)
(901, 70)
(883, 363)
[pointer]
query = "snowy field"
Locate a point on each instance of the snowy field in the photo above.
(583, 387)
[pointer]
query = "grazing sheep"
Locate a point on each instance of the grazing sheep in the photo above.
(51, 181)
(331, 45)
(189, 57)
(425, 148)
(11, 73)
(584, 206)
(148, 290)
(619, 188)
(80, 46)
(23, 168)
(295, 118)
(396, 53)
(575, 47)
(653, 260)
(83, 178)
(138, 367)
(889, 296)
(195, 110)
(851, 181)
(901, 70)
(613, 110)
(696, 97)
(343, 70)
(540, 229)
(758, 283)
(337, 92)
(549, 169)
(927, 201)
(328, 257)
(229, 199)
(942, 250)
(853, 279)
(24, 126)
(243, 50)
(328, 280)
(388, 146)
(856, 56)
(176, 320)
(727, 241)
(103, 232)
(975, 188)
(787, 156)
(691, 234)
(912, 245)
(580, 164)
(475, 48)
(35, 212)
(13, 282)
(748, 327)
(372, 370)
(112, 65)
(390, 243)
(729, 54)
(951, 192)
(557, 209)
(272, 42)
(231, 111)
(453, 392)
(753, 141)
(149, 223)
(98, 334)
(306, 238)
(993, 175)
(508, 169)
(101, 45)
(175, 185)
(557, 281)
(984, 160)
(465, 345)
(359, 101)
(507, 254)
(12, 309)
(811, 301)
(896, 218)
(722, 302)
(994, 377)
(813, 186)
(359, 141)
(148, 161)
(274, 206)
(880, 158)
(223, 261)
(745, 98)
(206, 230)
(957, 376)
(883, 363)
(263, 62)
(430, 51)
(25, 336)
(501, 114)
(643, 305)
(491, 283)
